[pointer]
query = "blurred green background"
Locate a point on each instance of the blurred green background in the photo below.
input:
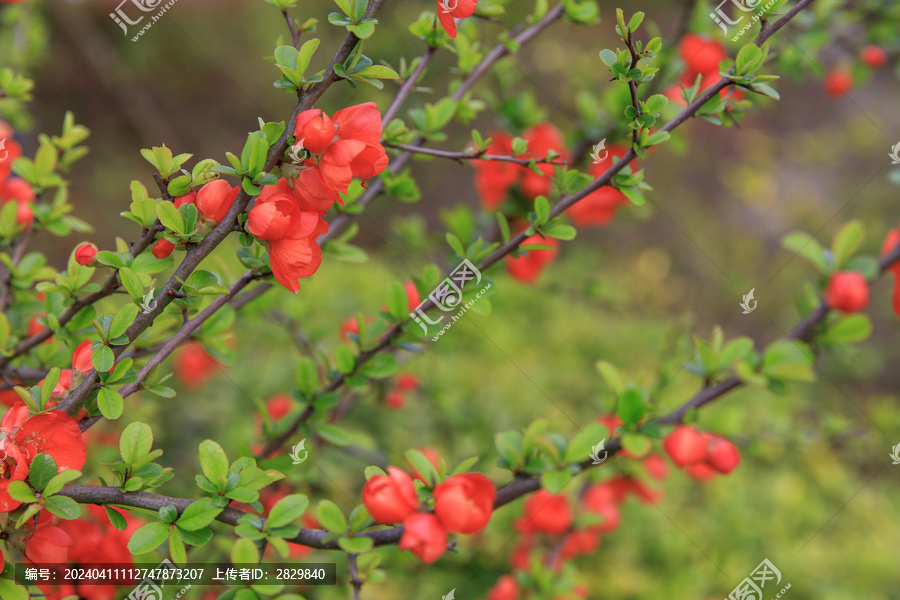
(815, 493)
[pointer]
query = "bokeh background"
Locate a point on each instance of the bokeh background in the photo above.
(816, 492)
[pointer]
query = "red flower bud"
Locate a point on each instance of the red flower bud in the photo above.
(838, 82)
(189, 198)
(395, 399)
(464, 503)
(215, 199)
(529, 265)
(424, 537)
(722, 455)
(700, 471)
(315, 129)
(847, 292)
(874, 57)
(407, 382)
(82, 357)
(85, 253)
(685, 446)
(412, 296)
(163, 248)
(656, 466)
(390, 498)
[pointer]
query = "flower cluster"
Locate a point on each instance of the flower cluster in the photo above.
(13, 189)
(462, 504)
(701, 454)
(287, 216)
(404, 385)
(213, 201)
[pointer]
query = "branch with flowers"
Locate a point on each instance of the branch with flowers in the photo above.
(76, 343)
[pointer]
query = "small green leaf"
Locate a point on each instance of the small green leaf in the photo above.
(60, 480)
(244, 551)
(286, 511)
(135, 442)
(63, 507)
(102, 357)
(356, 545)
(847, 241)
(148, 537)
(21, 492)
(213, 461)
(116, 519)
(631, 406)
(198, 514)
(331, 517)
(170, 217)
(43, 468)
(110, 403)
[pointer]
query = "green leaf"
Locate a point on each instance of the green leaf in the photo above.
(847, 241)
(356, 545)
(168, 514)
(116, 519)
(656, 103)
(148, 537)
(555, 481)
(43, 469)
(123, 320)
(177, 550)
(789, 361)
(198, 514)
(746, 58)
(335, 435)
(132, 283)
(286, 511)
(611, 376)
(244, 551)
(170, 217)
(307, 376)
(63, 507)
(808, 247)
(110, 403)
(135, 442)
(305, 55)
(637, 444)
(9, 589)
(396, 300)
(102, 357)
(850, 329)
(60, 480)
(213, 461)
(331, 517)
(631, 406)
(21, 492)
(582, 445)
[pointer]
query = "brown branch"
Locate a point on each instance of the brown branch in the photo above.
(475, 155)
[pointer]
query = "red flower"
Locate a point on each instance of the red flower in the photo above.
(838, 81)
(461, 10)
(424, 537)
(848, 292)
(85, 253)
(874, 56)
(163, 248)
(315, 129)
(82, 360)
(601, 499)
(685, 445)
(395, 399)
(528, 266)
(193, 365)
(701, 471)
(541, 138)
(23, 437)
(214, 199)
(390, 498)
(506, 588)
(412, 296)
(722, 455)
(494, 178)
(464, 503)
(189, 198)
(700, 54)
(546, 513)
(407, 382)
(290, 225)
(47, 544)
(656, 466)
